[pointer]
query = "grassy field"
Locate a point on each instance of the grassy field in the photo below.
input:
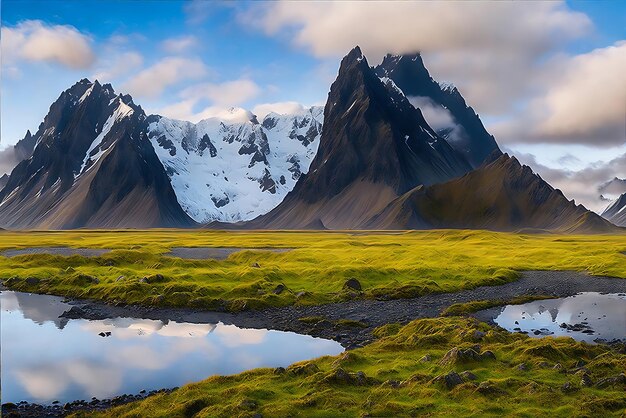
(401, 375)
(387, 265)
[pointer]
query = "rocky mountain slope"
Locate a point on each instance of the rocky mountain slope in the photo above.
(616, 211)
(368, 159)
(500, 195)
(92, 166)
(375, 146)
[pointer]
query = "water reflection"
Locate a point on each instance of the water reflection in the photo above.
(586, 317)
(46, 359)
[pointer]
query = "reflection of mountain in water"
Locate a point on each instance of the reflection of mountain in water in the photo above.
(553, 313)
(129, 327)
(604, 314)
(38, 308)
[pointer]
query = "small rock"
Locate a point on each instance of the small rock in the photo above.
(119, 279)
(452, 379)
(255, 265)
(478, 335)
(522, 367)
(353, 284)
(279, 370)
(32, 281)
(567, 388)
(426, 358)
(486, 388)
(467, 375)
(586, 381)
(279, 289)
(248, 404)
(620, 379)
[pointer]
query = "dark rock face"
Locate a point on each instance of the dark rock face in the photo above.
(4, 180)
(616, 212)
(93, 167)
(411, 76)
(374, 146)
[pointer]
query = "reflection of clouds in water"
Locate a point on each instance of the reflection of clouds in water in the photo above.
(231, 336)
(127, 328)
(43, 363)
(49, 381)
(8, 301)
(44, 382)
(147, 358)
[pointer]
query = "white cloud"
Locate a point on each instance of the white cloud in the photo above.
(184, 110)
(152, 81)
(118, 65)
(228, 93)
(588, 185)
(489, 51)
(224, 98)
(582, 101)
(179, 44)
(35, 41)
(282, 108)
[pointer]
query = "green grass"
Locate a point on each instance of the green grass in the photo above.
(399, 378)
(400, 265)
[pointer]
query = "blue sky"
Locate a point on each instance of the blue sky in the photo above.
(518, 64)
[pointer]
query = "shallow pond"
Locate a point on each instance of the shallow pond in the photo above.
(47, 358)
(215, 253)
(586, 317)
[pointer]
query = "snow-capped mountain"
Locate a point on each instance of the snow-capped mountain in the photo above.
(97, 160)
(235, 168)
(92, 166)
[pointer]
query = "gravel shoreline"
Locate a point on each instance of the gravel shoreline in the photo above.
(363, 315)
(369, 313)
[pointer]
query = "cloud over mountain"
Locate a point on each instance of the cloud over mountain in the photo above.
(34, 40)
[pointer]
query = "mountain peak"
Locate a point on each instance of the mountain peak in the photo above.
(465, 133)
(354, 58)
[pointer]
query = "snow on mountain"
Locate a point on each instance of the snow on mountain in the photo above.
(232, 167)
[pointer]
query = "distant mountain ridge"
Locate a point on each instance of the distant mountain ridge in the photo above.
(500, 195)
(368, 159)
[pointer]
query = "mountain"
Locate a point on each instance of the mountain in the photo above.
(97, 160)
(451, 117)
(92, 166)
(375, 146)
(4, 180)
(500, 195)
(234, 168)
(616, 211)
